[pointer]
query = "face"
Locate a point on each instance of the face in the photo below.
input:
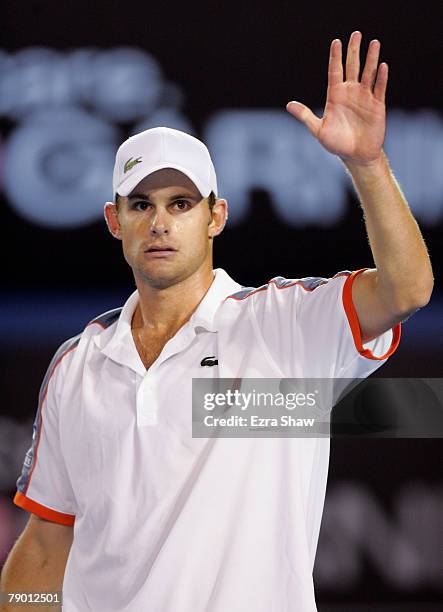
(166, 228)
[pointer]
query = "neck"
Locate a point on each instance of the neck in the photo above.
(169, 308)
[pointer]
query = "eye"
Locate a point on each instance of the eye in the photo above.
(182, 204)
(141, 205)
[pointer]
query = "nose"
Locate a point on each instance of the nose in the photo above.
(159, 224)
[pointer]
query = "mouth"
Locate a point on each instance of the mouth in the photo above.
(154, 249)
(160, 251)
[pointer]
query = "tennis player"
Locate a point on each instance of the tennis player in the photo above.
(129, 511)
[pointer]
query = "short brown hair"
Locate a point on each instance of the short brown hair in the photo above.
(212, 198)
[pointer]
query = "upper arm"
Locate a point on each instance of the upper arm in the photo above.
(375, 311)
(51, 537)
(37, 561)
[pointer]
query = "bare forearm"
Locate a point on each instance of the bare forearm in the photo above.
(404, 272)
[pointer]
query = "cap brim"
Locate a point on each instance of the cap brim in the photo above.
(132, 181)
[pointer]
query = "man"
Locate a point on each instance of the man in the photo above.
(143, 515)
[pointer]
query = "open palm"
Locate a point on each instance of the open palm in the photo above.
(354, 120)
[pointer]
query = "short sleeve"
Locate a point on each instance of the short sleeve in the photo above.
(43, 486)
(311, 329)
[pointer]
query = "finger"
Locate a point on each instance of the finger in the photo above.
(353, 57)
(381, 83)
(305, 116)
(335, 69)
(370, 69)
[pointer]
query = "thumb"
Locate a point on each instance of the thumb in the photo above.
(305, 116)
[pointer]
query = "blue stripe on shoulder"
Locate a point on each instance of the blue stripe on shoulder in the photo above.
(30, 457)
(244, 292)
(309, 283)
(107, 318)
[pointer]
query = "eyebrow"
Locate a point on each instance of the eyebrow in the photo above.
(145, 196)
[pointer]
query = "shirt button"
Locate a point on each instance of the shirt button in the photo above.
(147, 419)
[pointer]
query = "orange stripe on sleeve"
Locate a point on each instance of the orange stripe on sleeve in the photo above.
(46, 513)
(354, 324)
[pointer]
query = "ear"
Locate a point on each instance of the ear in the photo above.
(111, 217)
(219, 218)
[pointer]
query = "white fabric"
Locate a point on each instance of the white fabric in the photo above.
(169, 523)
(158, 148)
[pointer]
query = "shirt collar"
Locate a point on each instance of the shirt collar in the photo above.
(205, 314)
(203, 317)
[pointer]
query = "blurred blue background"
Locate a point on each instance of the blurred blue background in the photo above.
(78, 78)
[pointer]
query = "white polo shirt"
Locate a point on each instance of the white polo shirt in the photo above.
(164, 522)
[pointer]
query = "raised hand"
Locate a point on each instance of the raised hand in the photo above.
(354, 119)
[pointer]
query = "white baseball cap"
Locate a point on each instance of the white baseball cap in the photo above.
(158, 148)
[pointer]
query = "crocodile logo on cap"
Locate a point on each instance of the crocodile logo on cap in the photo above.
(131, 163)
